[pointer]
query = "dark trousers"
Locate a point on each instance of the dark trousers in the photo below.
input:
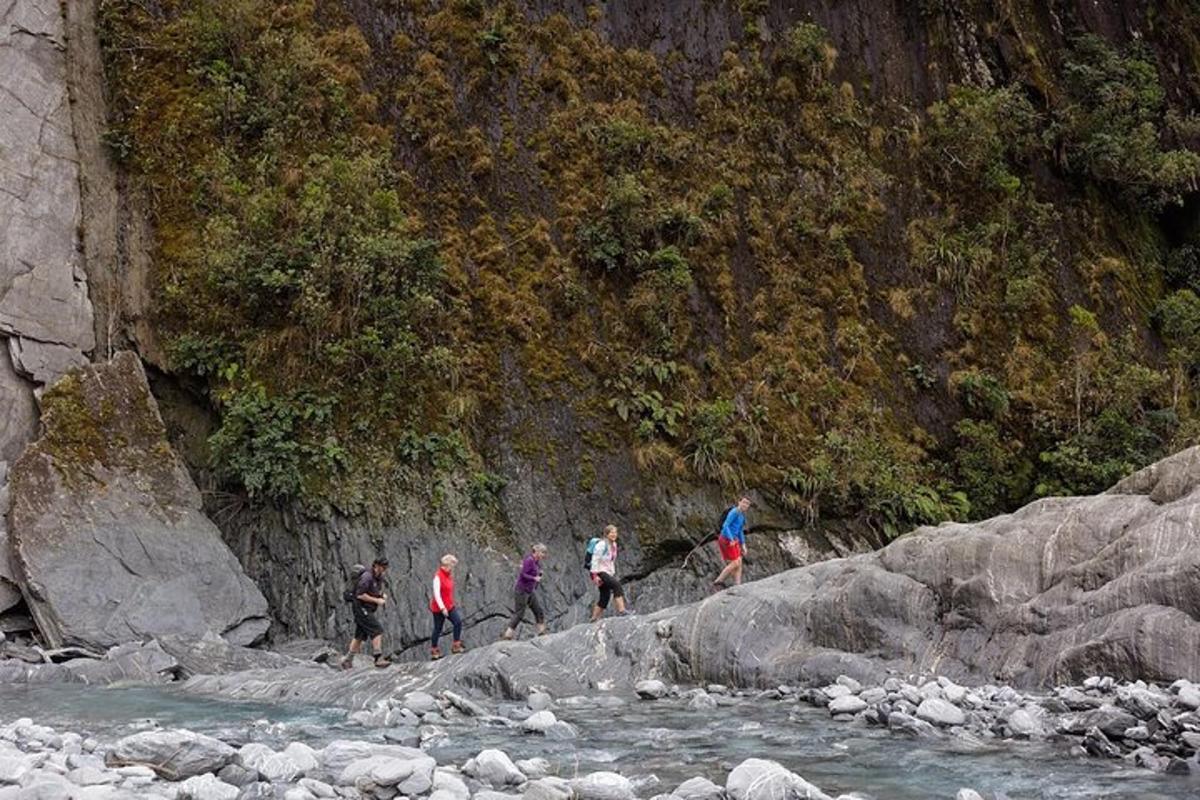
(609, 587)
(521, 601)
(439, 619)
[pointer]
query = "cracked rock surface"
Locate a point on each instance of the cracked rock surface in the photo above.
(43, 287)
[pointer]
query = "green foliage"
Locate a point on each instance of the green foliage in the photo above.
(806, 52)
(988, 469)
(984, 132)
(1107, 448)
(483, 489)
(264, 440)
(1110, 125)
(652, 415)
(1182, 268)
(708, 447)
(983, 395)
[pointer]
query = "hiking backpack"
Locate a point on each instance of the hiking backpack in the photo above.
(721, 521)
(355, 574)
(591, 549)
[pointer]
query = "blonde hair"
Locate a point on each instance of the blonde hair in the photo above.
(610, 529)
(448, 560)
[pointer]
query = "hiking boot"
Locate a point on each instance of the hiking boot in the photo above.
(435, 654)
(382, 661)
(457, 648)
(629, 612)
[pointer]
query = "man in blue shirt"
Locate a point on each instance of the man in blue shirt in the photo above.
(732, 543)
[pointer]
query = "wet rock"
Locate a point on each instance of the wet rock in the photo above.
(539, 722)
(968, 794)
(1024, 725)
(540, 701)
(494, 767)
(237, 775)
(760, 779)
(904, 723)
(603, 786)
(1189, 697)
(936, 711)
(1097, 744)
(650, 689)
(420, 703)
(534, 768)
(698, 789)
(173, 754)
(206, 787)
(1112, 721)
(98, 528)
(339, 754)
(848, 704)
(548, 789)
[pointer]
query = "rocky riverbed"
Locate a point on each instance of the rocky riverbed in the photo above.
(908, 738)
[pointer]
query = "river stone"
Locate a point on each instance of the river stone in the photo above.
(603, 786)
(698, 789)
(91, 776)
(760, 779)
(420, 703)
(206, 787)
(904, 723)
(318, 788)
(1189, 697)
(968, 794)
(650, 689)
(848, 704)
(534, 768)
(548, 788)
(272, 766)
(1023, 724)
(539, 722)
(494, 767)
(109, 539)
(940, 712)
(173, 754)
(540, 701)
(1110, 720)
(237, 775)
(449, 782)
(409, 775)
(259, 790)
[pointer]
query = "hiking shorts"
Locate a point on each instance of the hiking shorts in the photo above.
(609, 587)
(730, 550)
(366, 626)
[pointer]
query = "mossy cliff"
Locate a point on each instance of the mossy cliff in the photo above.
(892, 264)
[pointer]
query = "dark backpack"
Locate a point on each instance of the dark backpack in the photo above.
(355, 575)
(721, 521)
(591, 548)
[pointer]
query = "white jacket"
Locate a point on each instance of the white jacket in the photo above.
(604, 557)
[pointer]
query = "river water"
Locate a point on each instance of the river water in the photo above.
(658, 744)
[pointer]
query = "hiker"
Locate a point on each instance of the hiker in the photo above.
(732, 543)
(443, 608)
(524, 595)
(603, 566)
(366, 599)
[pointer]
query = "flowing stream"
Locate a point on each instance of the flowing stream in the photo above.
(656, 744)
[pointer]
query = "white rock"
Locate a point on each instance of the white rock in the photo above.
(603, 786)
(534, 768)
(318, 788)
(1189, 697)
(446, 781)
(650, 689)
(851, 684)
(539, 722)
(760, 779)
(494, 767)
(206, 787)
(940, 712)
(540, 701)
(848, 704)
(420, 702)
(698, 789)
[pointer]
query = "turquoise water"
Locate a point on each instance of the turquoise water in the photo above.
(657, 744)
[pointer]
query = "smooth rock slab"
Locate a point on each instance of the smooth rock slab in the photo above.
(173, 754)
(698, 789)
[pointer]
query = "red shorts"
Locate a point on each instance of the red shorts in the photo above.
(730, 550)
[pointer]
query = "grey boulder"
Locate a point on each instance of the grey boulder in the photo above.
(173, 754)
(760, 779)
(940, 712)
(603, 786)
(106, 528)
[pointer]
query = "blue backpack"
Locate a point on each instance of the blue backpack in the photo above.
(591, 549)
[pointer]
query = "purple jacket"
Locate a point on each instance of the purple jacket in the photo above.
(527, 580)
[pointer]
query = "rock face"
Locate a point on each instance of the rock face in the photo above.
(1061, 590)
(44, 304)
(106, 529)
